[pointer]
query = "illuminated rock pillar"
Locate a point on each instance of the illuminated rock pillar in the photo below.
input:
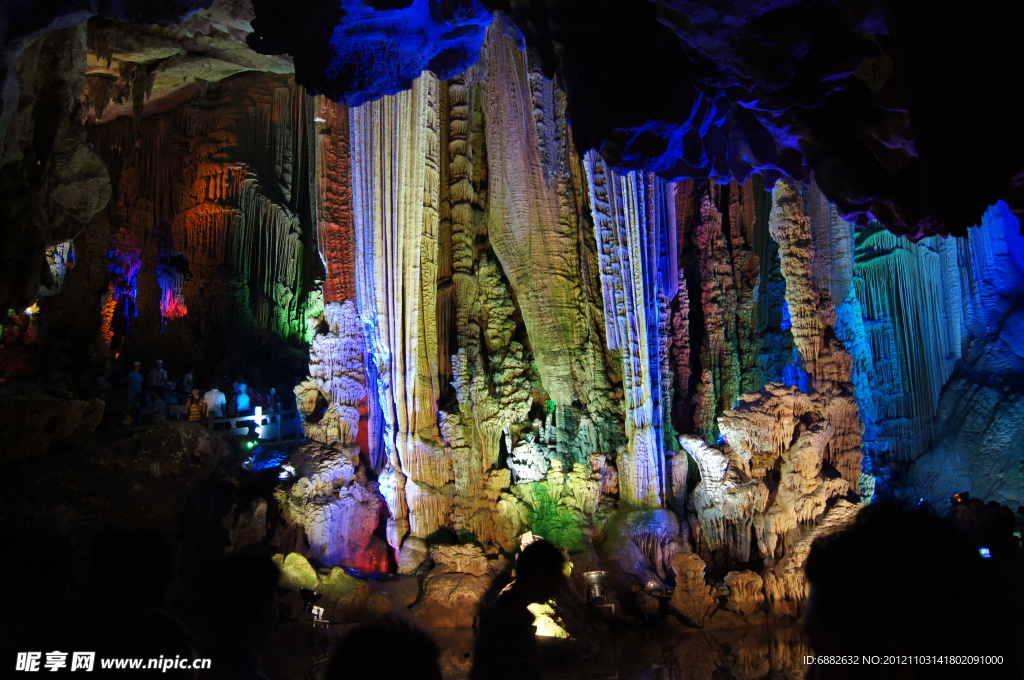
(825, 358)
(333, 205)
(632, 231)
(535, 195)
(395, 176)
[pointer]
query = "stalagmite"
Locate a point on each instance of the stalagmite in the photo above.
(785, 585)
(329, 399)
(813, 317)
(693, 598)
(745, 592)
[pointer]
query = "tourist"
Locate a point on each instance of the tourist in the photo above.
(215, 402)
(273, 401)
(506, 646)
(158, 376)
(134, 383)
(187, 382)
(242, 401)
(196, 406)
(159, 414)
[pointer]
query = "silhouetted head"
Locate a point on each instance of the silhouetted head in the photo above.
(388, 649)
(540, 571)
(195, 392)
(903, 582)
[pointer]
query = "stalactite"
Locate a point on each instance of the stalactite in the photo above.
(833, 246)
(680, 351)
(742, 212)
(624, 224)
(533, 219)
(268, 251)
(395, 175)
(720, 379)
(717, 227)
(790, 227)
(333, 187)
(907, 292)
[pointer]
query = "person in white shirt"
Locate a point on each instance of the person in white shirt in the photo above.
(158, 376)
(215, 402)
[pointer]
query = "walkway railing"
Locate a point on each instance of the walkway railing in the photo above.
(273, 426)
(276, 425)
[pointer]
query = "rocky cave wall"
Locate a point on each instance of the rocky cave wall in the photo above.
(539, 327)
(206, 254)
(506, 336)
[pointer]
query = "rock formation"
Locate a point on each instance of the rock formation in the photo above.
(508, 308)
(335, 505)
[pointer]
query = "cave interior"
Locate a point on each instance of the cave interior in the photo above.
(678, 285)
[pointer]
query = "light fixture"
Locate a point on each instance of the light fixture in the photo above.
(596, 580)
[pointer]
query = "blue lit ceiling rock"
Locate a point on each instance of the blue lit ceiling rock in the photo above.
(355, 52)
(859, 93)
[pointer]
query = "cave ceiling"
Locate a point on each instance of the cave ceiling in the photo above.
(904, 112)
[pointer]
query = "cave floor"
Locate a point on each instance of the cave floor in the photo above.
(648, 652)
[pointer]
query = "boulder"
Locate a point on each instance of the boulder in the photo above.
(459, 559)
(414, 552)
(451, 600)
(296, 572)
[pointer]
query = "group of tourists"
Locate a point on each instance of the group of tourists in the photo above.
(150, 395)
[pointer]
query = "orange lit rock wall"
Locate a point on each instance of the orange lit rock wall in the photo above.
(213, 216)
